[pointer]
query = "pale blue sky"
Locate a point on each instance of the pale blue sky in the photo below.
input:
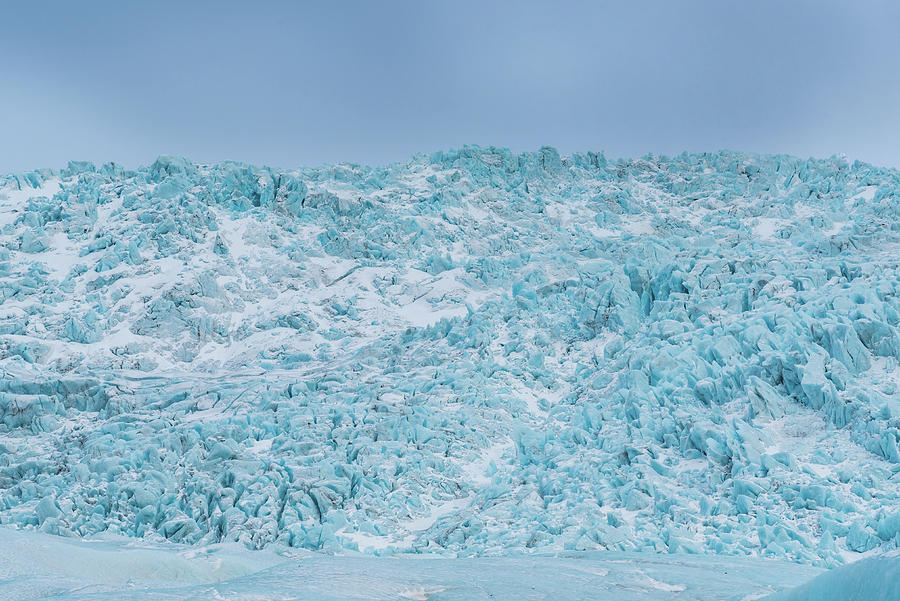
(305, 83)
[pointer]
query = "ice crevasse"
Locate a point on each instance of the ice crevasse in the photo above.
(474, 352)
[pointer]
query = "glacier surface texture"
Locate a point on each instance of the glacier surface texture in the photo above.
(474, 353)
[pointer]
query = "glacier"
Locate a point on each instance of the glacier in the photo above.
(474, 353)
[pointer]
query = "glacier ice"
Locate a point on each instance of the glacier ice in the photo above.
(38, 566)
(474, 352)
(871, 579)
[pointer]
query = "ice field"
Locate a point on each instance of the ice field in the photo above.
(515, 365)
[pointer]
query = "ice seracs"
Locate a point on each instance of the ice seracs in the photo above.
(475, 353)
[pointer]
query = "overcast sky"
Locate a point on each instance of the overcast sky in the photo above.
(305, 83)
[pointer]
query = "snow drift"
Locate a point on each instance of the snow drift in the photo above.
(873, 579)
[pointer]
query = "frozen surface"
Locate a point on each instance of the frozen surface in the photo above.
(115, 569)
(873, 579)
(474, 353)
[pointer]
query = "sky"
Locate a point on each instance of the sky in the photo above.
(291, 84)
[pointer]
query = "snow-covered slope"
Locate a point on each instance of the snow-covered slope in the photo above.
(475, 352)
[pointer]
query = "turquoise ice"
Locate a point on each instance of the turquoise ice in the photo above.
(474, 353)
